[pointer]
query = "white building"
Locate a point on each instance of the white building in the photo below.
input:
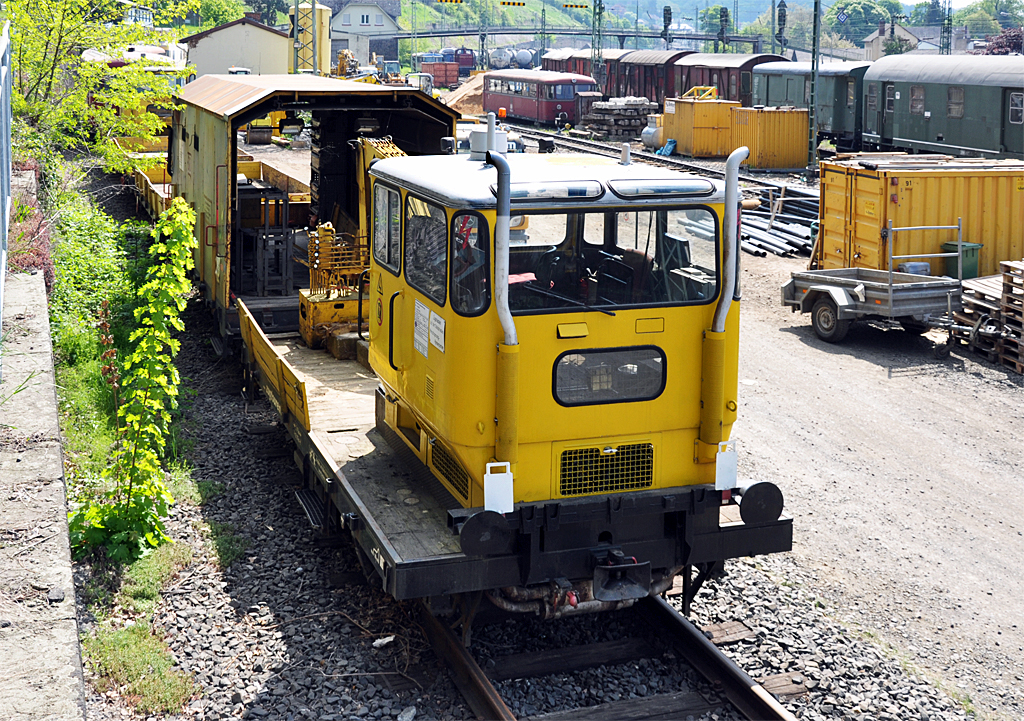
(242, 43)
(366, 27)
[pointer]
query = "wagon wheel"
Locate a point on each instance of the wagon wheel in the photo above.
(826, 322)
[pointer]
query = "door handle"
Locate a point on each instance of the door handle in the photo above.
(391, 331)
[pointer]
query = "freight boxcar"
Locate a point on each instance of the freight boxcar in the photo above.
(556, 60)
(962, 104)
(730, 73)
(840, 95)
(647, 73)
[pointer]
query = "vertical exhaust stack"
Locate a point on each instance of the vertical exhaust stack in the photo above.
(712, 387)
(507, 402)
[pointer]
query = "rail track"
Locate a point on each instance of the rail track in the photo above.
(730, 684)
(614, 151)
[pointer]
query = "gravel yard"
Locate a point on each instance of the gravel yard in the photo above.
(902, 598)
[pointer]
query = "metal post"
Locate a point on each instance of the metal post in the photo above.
(890, 242)
(773, 27)
(5, 163)
(315, 26)
(959, 250)
(812, 115)
(295, 39)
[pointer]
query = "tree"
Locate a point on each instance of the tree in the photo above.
(863, 18)
(799, 29)
(1005, 13)
(269, 9)
(927, 13)
(978, 22)
(217, 12)
(1008, 42)
(897, 45)
(80, 101)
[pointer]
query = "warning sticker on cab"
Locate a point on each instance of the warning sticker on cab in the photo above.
(421, 329)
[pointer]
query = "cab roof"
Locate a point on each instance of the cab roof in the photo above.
(457, 181)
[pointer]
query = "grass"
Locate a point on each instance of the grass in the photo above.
(140, 588)
(228, 546)
(139, 664)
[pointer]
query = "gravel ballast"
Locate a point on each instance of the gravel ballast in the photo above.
(288, 631)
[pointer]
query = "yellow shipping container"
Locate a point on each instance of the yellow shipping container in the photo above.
(860, 194)
(701, 128)
(777, 137)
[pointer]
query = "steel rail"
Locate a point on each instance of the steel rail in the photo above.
(614, 151)
(471, 680)
(743, 692)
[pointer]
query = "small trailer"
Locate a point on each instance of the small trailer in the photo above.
(836, 298)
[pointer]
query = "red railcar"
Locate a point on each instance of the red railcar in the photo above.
(647, 74)
(542, 96)
(556, 60)
(729, 72)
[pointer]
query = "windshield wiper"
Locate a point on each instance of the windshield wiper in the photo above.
(552, 294)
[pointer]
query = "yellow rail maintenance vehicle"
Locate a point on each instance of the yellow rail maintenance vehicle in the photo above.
(541, 412)
(571, 385)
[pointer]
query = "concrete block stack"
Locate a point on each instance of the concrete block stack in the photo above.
(618, 118)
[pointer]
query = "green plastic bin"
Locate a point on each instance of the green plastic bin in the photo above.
(970, 259)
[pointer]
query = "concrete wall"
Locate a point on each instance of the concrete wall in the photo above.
(242, 45)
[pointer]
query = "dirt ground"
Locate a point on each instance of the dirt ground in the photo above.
(904, 477)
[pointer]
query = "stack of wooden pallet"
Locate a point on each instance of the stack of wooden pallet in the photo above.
(996, 302)
(982, 298)
(1012, 308)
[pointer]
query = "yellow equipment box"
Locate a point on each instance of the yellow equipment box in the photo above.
(862, 193)
(777, 137)
(701, 128)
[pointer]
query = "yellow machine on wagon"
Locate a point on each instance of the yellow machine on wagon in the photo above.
(554, 338)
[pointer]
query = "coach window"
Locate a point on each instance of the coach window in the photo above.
(851, 92)
(890, 98)
(954, 102)
(387, 226)
(470, 265)
(872, 96)
(1017, 108)
(745, 82)
(917, 100)
(732, 87)
(426, 248)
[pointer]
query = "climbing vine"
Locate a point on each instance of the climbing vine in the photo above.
(128, 516)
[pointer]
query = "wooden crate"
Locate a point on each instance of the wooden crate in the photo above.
(1011, 354)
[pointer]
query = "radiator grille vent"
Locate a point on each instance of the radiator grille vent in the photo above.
(448, 467)
(592, 470)
(430, 388)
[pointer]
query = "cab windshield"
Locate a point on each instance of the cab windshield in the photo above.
(565, 261)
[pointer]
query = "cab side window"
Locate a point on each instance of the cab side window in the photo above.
(470, 265)
(387, 227)
(426, 248)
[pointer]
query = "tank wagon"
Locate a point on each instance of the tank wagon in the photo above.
(840, 95)
(540, 96)
(543, 410)
(959, 104)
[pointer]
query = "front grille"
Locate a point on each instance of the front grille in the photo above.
(592, 470)
(448, 467)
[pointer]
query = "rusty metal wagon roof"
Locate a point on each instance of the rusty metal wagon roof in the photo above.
(229, 95)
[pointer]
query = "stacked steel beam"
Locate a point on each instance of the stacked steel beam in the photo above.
(783, 223)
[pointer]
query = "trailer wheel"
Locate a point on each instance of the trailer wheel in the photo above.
(826, 323)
